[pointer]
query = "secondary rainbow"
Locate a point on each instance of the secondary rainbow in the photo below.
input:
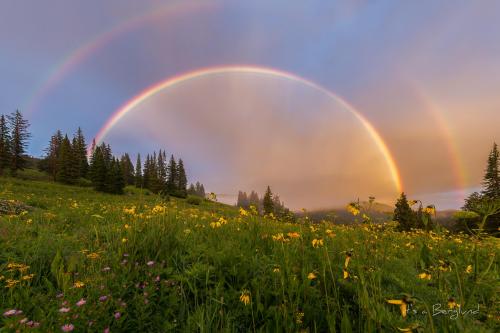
(79, 55)
(172, 81)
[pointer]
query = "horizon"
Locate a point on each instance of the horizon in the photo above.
(364, 99)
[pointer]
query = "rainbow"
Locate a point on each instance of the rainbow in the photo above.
(82, 53)
(172, 81)
(453, 151)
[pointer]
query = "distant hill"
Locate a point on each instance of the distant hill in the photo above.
(378, 211)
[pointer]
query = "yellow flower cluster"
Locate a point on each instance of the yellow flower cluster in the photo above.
(353, 208)
(317, 243)
(245, 297)
(219, 223)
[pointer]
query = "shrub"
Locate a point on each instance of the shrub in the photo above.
(193, 200)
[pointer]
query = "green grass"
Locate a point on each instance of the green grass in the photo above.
(80, 244)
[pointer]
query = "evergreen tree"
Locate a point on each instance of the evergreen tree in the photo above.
(52, 155)
(191, 190)
(201, 192)
(98, 169)
(5, 156)
(138, 171)
(80, 154)
(19, 141)
(127, 169)
(146, 172)
(181, 180)
(253, 200)
(243, 200)
(162, 169)
(114, 182)
(404, 214)
(491, 181)
(65, 163)
(267, 202)
(171, 176)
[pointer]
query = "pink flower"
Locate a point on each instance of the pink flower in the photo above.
(150, 263)
(106, 269)
(157, 279)
(81, 302)
(10, 313)
(117, 315)
(33, 324)
(67, 327)
(106, 330)
(64, 310)
(59, 295)
(23, 321)
(103, 298)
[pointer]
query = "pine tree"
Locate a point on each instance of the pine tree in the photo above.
(138, 171)
(98, 170)
(201, 192)
(171, 176)
(191, 190)
(19, 141)
(491, 181)
(114, 182)
(80, 154)
(127, 169)
(52, 155)
(146, 172)
(404, 214)
(66, 164)
(5, 156)
(181, 180)
(267, 202)
(243, 200)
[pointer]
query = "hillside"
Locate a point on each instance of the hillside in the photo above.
(74, 259)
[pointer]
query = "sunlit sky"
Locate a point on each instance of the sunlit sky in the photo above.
(424, 74)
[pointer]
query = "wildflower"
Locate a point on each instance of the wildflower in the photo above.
(10, 313)
(118, 315)
(79, 284)
(245, 297)
(106, 330)
(103, 298)
(293, 235)
(431, 210)
(346, 274)
(67, 327)
(299, 316)
(468, 270)
(280, 238)
(126, 226)
(23, 321)
(317, 243)
(93, 255)
(10, 283)
(276, 270)
(150, 263)
(348, 256)
(353, 208)
(81, 302)
(28, 277)
(124, 240)
(452, 303)
(243, 212)
(444, 266)
(403, 305)
(424, 276)
(311, 276)
(64, 310)
(329, 233)
(106, 269)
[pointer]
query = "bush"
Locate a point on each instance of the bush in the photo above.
(193, 200)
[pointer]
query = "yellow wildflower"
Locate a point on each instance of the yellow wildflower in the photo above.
(245, 297)
(468, 270)
(293, 235)
(346, 274)
(403, 305)
(317, 243)
(424, 276)
(353, 208)
(311, 276)
(452, 304)
(124, 240)
(93, 255)
(243, 212)
(79, 284)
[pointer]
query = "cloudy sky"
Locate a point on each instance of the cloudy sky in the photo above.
(425, 75)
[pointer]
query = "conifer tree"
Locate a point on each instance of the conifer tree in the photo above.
(491, 181)
(18, 141)
(191, 190)
(138, 171)
(80, 154)
(267, 202)
(201, 192)
(404, 214)
(98, 170)
(243, 200)
(147, 172)
(114, 182)
(171, 176)
(66, 172)
(127, 169)
(5, 156)
(181, 180)
(52, 155)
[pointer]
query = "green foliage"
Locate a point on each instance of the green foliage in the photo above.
(171, 267)
(404, 214)
(267, 202)
(491, 181)
(18, 142)
(193, 200)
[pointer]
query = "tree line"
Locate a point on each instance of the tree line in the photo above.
(268, 204)
(14, 138)
(66, 160)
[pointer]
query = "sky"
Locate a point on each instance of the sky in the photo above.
(325, 101)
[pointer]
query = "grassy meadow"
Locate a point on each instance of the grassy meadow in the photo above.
(77, 260)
